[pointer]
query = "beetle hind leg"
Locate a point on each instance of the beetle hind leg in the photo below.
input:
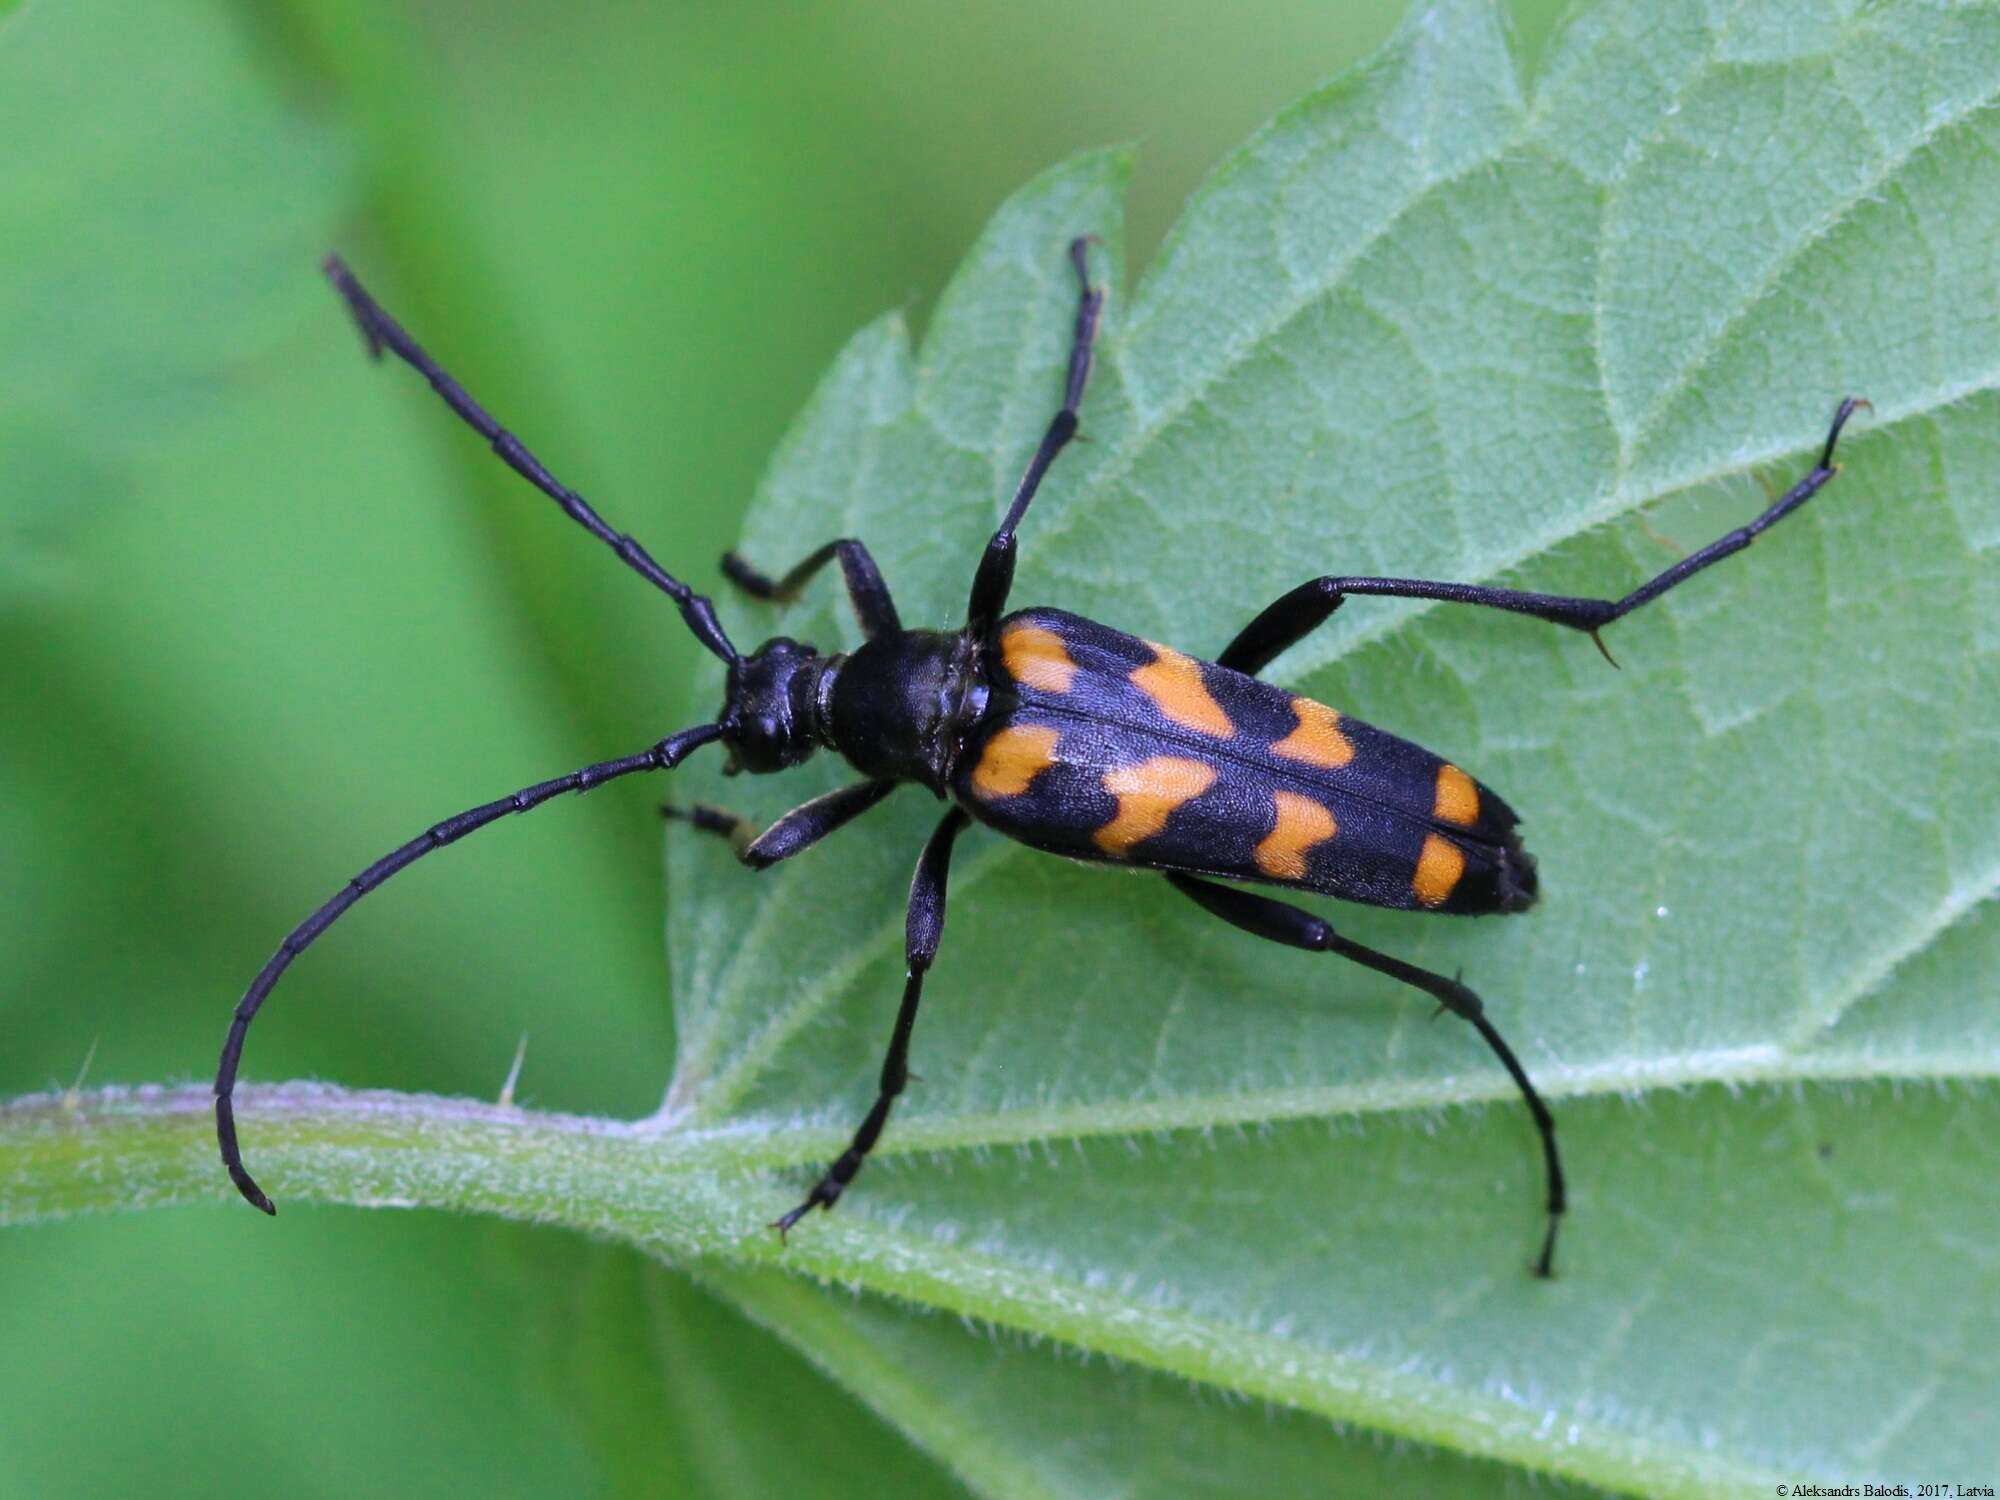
(1283, 923)
(1296, 614)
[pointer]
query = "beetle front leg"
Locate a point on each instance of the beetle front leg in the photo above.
(1281, 922)
(865, 589)
(740, 831)
(923, 930)
(794, 833)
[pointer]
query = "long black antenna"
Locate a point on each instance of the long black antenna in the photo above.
(382, 331)
(662, 757)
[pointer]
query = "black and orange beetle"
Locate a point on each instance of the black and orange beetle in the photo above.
(1071, 737)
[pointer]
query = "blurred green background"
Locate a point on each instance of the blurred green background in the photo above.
(264, 612)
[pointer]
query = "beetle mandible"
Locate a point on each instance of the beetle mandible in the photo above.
(1071, 737)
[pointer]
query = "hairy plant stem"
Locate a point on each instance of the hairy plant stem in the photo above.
(701, 1199)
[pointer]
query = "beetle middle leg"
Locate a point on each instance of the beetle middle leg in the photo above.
(1302, 610)
(922, 932)
(1283, 923)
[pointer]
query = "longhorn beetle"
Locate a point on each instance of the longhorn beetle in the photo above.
(1071, 737)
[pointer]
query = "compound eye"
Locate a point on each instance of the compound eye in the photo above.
(767, 729)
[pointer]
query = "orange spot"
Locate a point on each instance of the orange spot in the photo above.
(1438, 869)
(1173, 682)
(1457, 797)
(1036, 658)
(1302, 823)
(1318, 741)
(1012, 759)
(1146, 793)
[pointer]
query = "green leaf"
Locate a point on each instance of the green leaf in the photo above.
(1439, 322)
(1024, 1418)
(1427, 325)
(675, 1395)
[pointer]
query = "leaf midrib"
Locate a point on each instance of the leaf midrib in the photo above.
(776, 1144)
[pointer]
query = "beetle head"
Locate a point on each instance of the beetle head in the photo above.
(768, 711)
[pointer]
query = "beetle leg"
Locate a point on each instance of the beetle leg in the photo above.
(1281, 922)
(1281, 626)
(996, 568)
(865, 589)
(795, 832)
(739, 830)
(923, 929)
(1306, 606)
